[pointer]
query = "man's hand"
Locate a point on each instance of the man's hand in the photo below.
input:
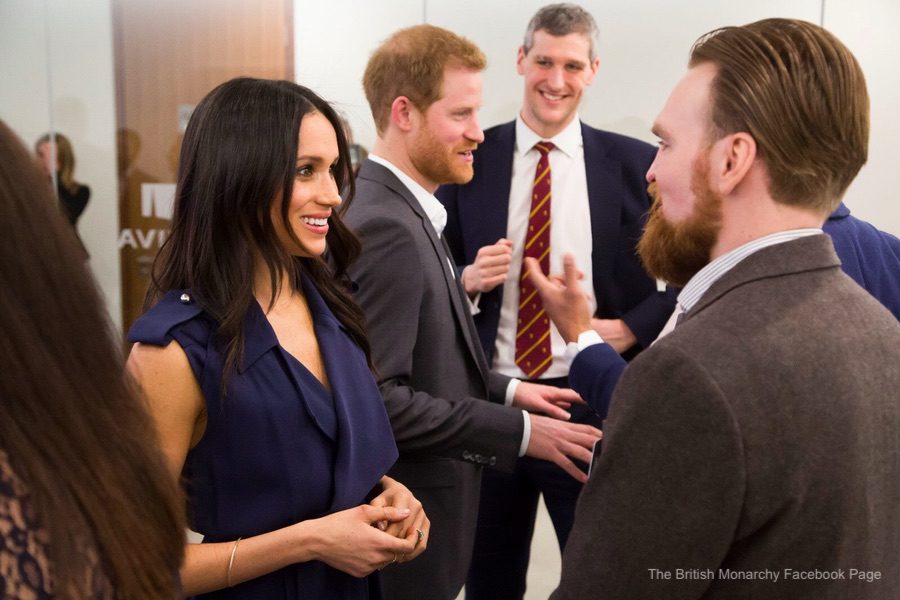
(615, 333)
(560, 442)
(489, 269)
(551, 401)
(564, 301)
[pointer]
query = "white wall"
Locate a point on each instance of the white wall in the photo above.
(871, 29)
(644, 47)
(75, 40)
(24, 92)
(332, 44)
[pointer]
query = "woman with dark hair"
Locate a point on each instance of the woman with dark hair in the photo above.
(255, 362)
(87, 508)
(57, 157)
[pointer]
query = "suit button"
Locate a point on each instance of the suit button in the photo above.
(493, 461)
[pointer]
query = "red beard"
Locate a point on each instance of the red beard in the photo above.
(437, 163)
(675, 252)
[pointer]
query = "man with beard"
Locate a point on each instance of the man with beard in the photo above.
(423, 85)
(753, 452)
(546, 184)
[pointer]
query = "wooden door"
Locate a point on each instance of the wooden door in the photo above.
(168, 55)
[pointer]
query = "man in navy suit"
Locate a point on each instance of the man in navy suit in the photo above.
(869, 256)
(598, 201)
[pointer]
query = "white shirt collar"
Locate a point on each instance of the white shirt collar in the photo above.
(568, 140)
(434, 210)
(708, 275)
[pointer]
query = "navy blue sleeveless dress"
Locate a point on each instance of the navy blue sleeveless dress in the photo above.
(279, 448)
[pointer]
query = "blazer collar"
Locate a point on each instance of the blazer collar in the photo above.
(808, 253)
(380, 174)
(605, 189)
(840, 212)
(430, 205)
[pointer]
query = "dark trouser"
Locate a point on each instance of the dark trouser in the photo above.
(506, 516)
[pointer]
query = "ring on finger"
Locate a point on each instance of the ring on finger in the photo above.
(420, 534)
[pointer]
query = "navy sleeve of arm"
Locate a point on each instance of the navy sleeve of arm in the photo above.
(594, 374)
(647, 319)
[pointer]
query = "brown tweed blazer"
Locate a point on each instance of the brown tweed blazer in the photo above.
(755, 451)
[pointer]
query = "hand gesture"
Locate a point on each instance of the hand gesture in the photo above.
(552, 401)
(564, 301)
(489, 269)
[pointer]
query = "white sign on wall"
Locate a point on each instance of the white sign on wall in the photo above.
(157, 200)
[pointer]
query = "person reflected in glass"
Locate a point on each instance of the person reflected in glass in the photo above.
(58, 159)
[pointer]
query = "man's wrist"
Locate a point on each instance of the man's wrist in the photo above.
(586, 338)
(526, 433)
(472, 302)
(511, 388)
(464, 280)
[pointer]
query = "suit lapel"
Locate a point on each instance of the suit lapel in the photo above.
(382, 175)
(464, 315)
(605, 193)
(497, 163)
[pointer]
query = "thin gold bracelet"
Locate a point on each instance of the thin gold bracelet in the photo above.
(231, 562)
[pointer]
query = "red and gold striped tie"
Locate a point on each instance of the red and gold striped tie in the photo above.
(533, 327)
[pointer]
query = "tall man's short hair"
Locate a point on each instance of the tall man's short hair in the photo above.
(809, 114)
(560, 20)
(411, 63)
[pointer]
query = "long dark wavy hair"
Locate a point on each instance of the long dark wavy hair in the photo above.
(71, 424)
(239, 154)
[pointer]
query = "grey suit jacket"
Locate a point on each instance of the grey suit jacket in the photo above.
(433, 376)
(760, 439)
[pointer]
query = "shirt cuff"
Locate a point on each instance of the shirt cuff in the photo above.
(473, 302)
(526, 433)
(585, 339)
(511, 388)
